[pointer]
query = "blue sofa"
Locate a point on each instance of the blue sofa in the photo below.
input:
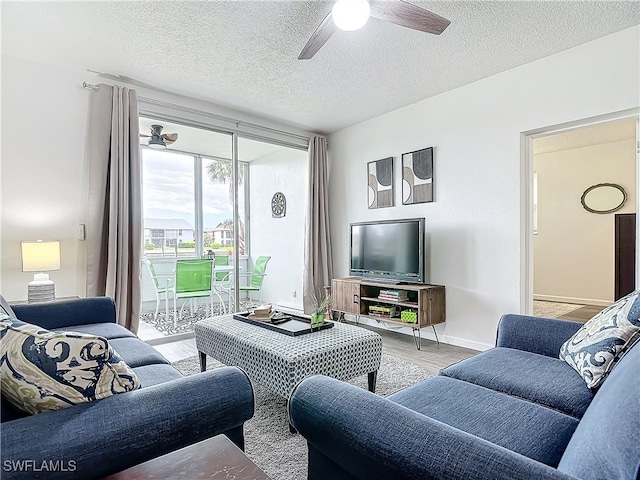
(513, 412)
(99, 438)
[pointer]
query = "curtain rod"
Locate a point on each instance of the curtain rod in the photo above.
(89, 86)
(216, 116)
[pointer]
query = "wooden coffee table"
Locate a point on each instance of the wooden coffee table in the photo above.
(216, 458)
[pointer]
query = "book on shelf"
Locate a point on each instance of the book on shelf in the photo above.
(382, 314)
(398, 296)
(392, 292)
(396, 299)
(382, 308)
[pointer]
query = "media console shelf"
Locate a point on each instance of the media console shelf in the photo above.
(356, 296)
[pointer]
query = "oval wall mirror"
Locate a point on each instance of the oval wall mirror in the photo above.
(603, 198)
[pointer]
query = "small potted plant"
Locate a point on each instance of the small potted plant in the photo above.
(318, 309)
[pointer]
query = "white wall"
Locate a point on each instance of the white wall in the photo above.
(281, 238)
(473, 227)
(574, 249)
(44, 112)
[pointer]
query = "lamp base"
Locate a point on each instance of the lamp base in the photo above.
(41, 291)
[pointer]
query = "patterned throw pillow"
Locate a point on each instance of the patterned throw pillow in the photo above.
(42, 370)
(594, 349)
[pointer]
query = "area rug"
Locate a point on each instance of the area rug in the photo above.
(184, 324)
(268, 442)
(187, 318)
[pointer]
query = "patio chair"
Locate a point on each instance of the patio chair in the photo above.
(256, 278)
(194, 281)
(163, 285)
(221, 275)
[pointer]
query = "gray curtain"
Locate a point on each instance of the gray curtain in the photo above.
(318, 269)
(114, 228)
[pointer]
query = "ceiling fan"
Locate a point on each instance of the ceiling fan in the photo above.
(157, 139)
(353, 14)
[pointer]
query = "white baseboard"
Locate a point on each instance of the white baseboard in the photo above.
(292, 306)
(463, 342)
(170, 338)
(579, 301)
(425, 333)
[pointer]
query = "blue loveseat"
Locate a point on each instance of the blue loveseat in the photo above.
(94, 439)
(513, 412)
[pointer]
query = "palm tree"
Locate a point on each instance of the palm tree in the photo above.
(228, 224)
(220, 171)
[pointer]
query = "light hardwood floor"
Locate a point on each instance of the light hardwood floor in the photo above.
(431, 356)
(582, 314)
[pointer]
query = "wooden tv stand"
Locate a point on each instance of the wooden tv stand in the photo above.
(354, 295)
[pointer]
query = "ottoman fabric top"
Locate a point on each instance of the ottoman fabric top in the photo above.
(279, 361)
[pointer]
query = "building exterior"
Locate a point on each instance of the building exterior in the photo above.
(220, 235)
(167, 232)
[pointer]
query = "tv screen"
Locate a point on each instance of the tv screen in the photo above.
(388, 250)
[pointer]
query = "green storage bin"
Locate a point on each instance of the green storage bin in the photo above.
(409, 316)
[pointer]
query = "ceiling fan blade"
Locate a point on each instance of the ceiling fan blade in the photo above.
(408, 15)
(143, 135)
(169, 138)
(319, 38)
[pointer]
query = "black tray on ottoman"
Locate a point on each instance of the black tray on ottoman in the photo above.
(293, 327)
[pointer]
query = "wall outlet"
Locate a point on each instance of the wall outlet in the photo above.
(82, 233)
(293, 293)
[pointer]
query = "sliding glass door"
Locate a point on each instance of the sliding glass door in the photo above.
(189, 196)
(188, 215)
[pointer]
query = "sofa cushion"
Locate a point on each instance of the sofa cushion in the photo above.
(532, 430)
(156, 373)
(136, 352)
(544, 380)
(109, 331)
(67, 313)
(42, 370)
(605, 444)
(594, 349)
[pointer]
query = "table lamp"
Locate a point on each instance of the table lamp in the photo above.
(40, 256)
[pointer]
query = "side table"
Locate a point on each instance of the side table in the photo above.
(216, 458)
(25, 302)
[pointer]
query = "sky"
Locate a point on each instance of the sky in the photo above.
(168, 189)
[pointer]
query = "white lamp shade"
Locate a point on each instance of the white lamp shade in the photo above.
(40, 256)
(350, 14)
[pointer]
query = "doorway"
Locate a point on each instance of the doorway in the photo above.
(569, 252)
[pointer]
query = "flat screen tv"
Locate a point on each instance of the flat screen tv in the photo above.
(391, 250)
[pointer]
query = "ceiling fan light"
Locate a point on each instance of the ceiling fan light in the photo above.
(350, 14)
(156, 140)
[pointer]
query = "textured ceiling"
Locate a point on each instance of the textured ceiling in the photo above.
(243, 54)
(607, 132)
